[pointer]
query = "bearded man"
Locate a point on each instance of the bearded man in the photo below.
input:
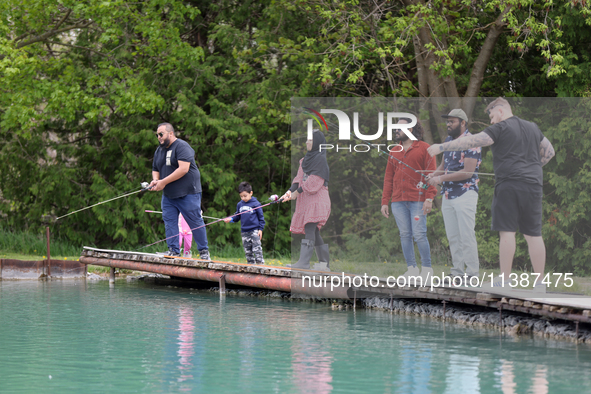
(519, 150)
(175, 172)
(458, 176)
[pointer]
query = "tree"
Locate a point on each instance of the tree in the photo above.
(440, 51)
(85, 85)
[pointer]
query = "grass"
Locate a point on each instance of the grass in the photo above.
(27, 246)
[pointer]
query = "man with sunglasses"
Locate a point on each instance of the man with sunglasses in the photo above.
(519, 150)
(174, 171)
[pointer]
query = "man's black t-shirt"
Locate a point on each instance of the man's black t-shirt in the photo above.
(166, 161)
(516, 150)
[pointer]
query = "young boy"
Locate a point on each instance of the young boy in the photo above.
(252, 224)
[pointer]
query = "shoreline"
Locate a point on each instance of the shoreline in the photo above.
(513, 323)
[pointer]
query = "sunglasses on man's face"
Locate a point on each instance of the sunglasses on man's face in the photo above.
(161, 134)
(491, 108)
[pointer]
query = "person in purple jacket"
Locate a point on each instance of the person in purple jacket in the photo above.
(252, 223)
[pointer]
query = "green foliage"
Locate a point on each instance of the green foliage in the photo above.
(567, 229)
(85, 84)
(359, 233)
(80, 107)
(36, 244)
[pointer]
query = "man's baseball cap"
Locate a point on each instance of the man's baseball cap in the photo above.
(457, 113)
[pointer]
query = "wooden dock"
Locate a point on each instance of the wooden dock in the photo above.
(567, 307)
(12, 269)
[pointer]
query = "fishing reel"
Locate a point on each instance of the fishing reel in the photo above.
(422, 185)
(145, 186)
(275, 198)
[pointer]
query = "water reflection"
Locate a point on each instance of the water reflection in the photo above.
(311, 366)
(462, 376)
(539, 380)
(137, 338)
(186, 351)
(415, 369)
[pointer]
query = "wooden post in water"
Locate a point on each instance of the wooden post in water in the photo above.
(112, 275)
(222, 284)
(48, 269)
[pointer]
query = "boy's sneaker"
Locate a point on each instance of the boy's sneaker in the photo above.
(204, 254)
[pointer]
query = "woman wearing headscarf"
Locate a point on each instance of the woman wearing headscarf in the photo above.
(310, 188)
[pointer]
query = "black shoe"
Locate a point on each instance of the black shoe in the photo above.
(204, 255)
(464, 280)
(170, 253)
(475, 283)
(453, 280)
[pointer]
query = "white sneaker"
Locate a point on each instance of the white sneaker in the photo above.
(427, 275)
(188, 254)
(411, 271)
(540, 288)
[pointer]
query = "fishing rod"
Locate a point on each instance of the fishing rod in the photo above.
(275, 199)
(203, 216)
(419, 185)
(145, 187)
(451, 172)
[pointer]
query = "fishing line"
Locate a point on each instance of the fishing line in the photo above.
(203, 216)
(451, 172)
(276, 200)
(277, 216)
(144, 188)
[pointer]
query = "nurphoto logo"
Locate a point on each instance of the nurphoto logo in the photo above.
(344, 125)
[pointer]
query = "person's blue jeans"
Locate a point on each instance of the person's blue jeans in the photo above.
(404, 213)
(190, 207)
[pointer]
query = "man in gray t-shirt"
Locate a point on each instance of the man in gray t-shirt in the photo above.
(520, 150)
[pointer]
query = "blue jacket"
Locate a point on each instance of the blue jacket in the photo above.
(250, 220)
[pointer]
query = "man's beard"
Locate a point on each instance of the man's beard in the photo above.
(165, 143)
(401, 136)
(455, 132)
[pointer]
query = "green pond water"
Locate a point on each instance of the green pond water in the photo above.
(77, 336)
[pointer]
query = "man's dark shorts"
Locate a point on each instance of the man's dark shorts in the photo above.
(517, 205)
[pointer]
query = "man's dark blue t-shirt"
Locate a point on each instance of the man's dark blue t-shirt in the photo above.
(166, 161)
